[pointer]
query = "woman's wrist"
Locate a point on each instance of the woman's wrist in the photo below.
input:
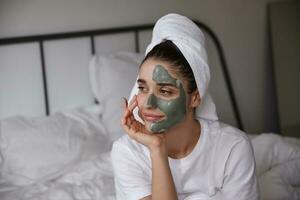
(158, 148)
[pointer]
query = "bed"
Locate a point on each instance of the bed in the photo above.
(60, 106)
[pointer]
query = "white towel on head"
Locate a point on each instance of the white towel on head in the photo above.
(187, 36)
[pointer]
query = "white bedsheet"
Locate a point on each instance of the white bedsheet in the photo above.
(61, 157)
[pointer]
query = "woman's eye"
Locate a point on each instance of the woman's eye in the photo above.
(142, 89)
(166, 92)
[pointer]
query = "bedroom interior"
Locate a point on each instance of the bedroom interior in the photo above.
(59, 65)
(240, 26)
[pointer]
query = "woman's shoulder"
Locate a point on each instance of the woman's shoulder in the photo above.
(232, 132)
(226, 134)
(226, 142)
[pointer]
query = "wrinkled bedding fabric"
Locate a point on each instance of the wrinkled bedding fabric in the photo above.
(66, 156)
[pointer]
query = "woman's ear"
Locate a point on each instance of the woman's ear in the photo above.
(195, 99)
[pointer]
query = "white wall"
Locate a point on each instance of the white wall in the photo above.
(240, 25)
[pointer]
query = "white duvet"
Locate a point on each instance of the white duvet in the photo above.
(278, 166)
(67, 157)
(61, 157)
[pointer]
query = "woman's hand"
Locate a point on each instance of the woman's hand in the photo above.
(137, 130)
(163, 186)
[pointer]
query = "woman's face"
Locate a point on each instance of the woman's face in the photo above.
(162, 97)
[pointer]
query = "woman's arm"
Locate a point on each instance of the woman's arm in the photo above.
(163, 186)
(162, 181)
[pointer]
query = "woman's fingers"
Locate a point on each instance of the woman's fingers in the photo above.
(124, 103)
(124, 106)
(136, 132)
(127, 109)
(132, 127)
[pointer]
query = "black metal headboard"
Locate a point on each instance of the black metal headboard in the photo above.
(135, 29)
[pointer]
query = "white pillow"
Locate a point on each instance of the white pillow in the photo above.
(112, 78)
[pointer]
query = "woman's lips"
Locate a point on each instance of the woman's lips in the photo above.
(152, 117)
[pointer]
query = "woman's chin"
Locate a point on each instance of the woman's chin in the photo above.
(151, 129)
(148, 127)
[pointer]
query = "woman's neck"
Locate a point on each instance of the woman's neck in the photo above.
(182, 139)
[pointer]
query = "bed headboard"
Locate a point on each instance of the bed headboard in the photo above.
(42, 74)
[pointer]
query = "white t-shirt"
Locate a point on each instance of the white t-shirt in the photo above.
(221, 166)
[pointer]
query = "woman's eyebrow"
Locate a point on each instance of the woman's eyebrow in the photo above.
(166, 84)
(141, 81)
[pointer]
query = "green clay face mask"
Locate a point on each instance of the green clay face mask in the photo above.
(175, 109)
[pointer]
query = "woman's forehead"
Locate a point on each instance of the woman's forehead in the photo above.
(151, 67)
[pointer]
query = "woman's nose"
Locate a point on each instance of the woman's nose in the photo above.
(151, 101)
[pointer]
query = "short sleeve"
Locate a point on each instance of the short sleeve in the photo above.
(240, 181)
(131, 180)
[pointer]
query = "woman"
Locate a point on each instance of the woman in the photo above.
(175, 147)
